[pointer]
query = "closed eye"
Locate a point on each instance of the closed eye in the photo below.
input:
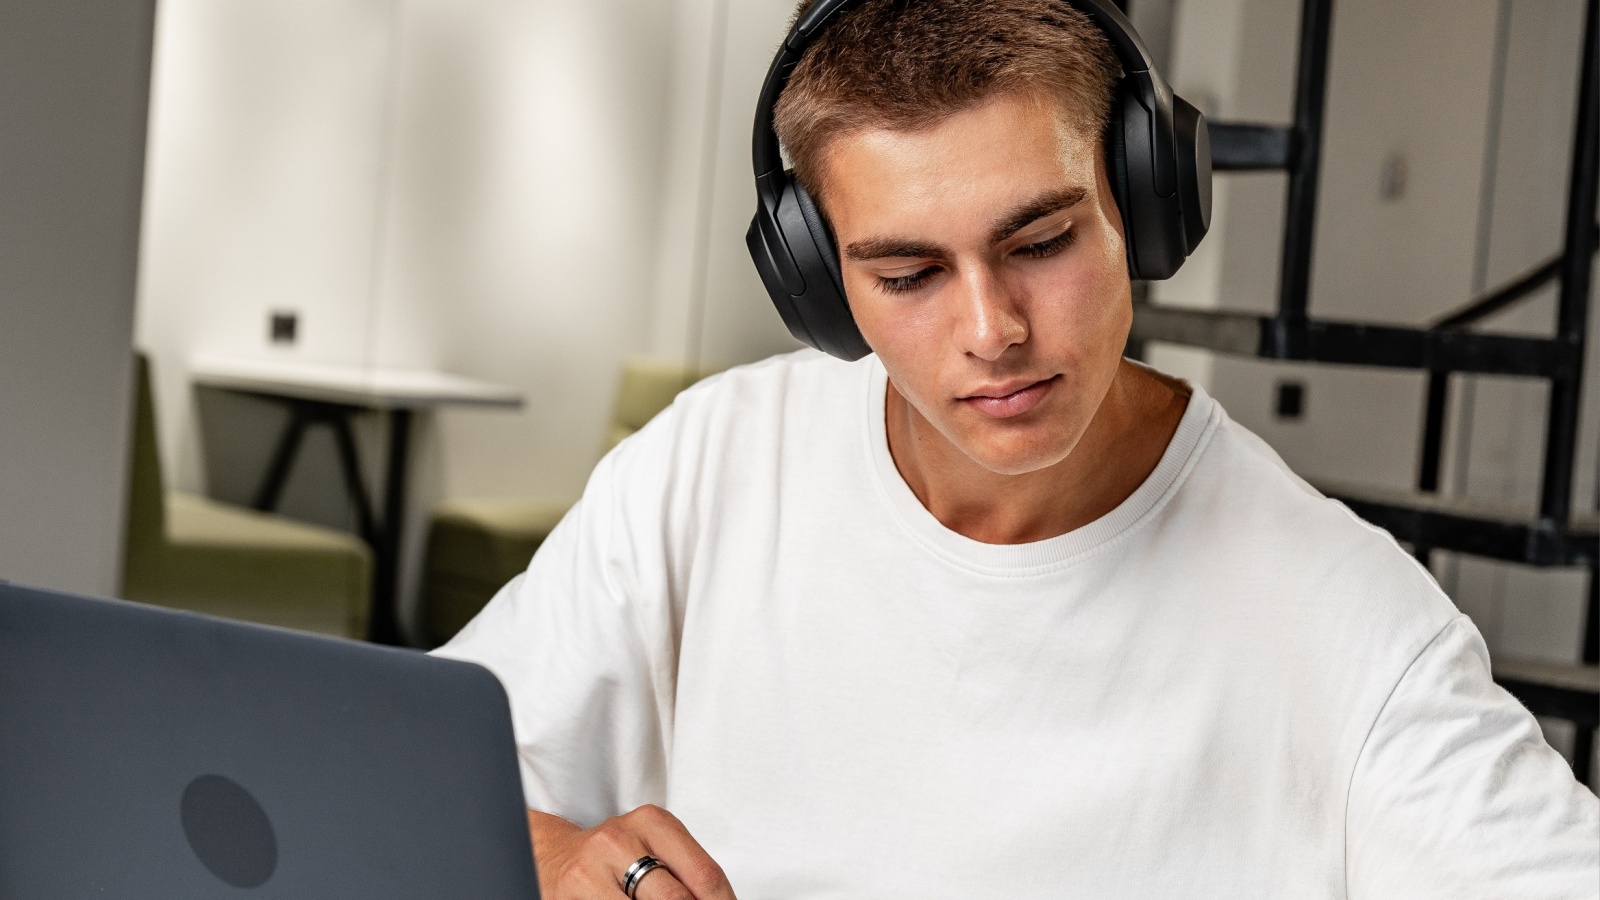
(906, 283)
(1049, 247)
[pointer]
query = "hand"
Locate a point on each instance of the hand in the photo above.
(578, 863)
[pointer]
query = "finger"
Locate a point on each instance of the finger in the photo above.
(610, 850)
(667, 840)
(659, 884)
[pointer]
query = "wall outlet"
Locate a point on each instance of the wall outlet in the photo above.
(1396, 174)
(1291, 400)
(283, 326)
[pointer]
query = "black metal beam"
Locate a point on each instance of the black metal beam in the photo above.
(1244, 147)
(1224, 332)
(1561, 432)
(1451, 351)
(1353, 343)
(1540, 542)
(1300, 216)
(1580, 707)
(1507, 296)
(1428, 463)
(1583, 740)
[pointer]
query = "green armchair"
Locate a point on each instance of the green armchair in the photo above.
(190, 552)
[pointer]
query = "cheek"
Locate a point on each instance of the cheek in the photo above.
(906, 336)
(894, 327)
(1080, 310)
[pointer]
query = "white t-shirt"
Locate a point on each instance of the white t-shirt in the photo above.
(1228, 687)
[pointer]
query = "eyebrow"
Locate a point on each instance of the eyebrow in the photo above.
(1013, 222)
(888, 248)
(1036, 209)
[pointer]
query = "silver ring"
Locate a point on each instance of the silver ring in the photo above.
(641, 867)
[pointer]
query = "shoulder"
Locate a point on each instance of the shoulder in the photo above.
(1273, 505)
(745, 408)
(1322, 565)
(735, 429)
(775, 382)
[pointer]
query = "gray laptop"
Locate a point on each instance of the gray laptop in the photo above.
(154, 754)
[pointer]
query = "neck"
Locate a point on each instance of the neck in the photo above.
(1116, 453)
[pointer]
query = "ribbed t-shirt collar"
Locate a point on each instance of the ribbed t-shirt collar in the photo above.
(1039, 556)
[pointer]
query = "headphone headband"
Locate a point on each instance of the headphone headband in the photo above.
(1137, 65)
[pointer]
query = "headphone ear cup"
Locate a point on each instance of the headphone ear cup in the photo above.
(1152, 221)
(805, 285)
(824, 304)
(1194, 170)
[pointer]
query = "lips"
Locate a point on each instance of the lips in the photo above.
(1005, 401)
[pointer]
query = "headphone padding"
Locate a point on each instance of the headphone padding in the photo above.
(1153, 223)
(1193, 140)
(821, 304)
(821, 235)
(1116, 150)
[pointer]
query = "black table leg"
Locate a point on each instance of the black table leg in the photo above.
(302, 415)
(282, 458)
(384, 624)
(350, 464)
(383, 536)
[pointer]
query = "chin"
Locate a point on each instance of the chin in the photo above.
(1007, 455)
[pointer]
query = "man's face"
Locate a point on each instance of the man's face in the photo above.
(983, 259)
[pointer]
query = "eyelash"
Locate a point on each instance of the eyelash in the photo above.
(906, 282)
(1050, 247)
(1040, 250)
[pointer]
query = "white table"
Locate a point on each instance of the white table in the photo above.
(318, 393)
(353, 385)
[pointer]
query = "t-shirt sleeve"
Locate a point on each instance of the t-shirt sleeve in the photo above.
(583, 643)
(1457, 795)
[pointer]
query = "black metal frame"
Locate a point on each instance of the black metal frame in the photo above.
(383, 622)
(1550, 537)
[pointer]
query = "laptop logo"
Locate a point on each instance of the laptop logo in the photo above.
(229, 831)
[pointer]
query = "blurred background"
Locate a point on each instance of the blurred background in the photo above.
(534, 211)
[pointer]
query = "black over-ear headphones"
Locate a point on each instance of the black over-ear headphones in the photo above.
(1156, 147)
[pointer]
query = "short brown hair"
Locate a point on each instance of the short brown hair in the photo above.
(908, 64)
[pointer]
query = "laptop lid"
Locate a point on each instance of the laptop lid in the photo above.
(152, 753)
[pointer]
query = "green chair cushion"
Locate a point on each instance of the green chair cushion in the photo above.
(229, 561)
(474, 548)
(192, 553)
(193, 519)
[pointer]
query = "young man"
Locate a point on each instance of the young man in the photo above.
(994, 612)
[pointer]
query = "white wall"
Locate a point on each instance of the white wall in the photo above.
(521, 222)
(266, 136)
(1235, 60)
(709, 300)
(74, 77)
(510, 190)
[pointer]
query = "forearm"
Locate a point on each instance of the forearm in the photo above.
(543, 827)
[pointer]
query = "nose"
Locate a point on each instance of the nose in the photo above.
(991, 320)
